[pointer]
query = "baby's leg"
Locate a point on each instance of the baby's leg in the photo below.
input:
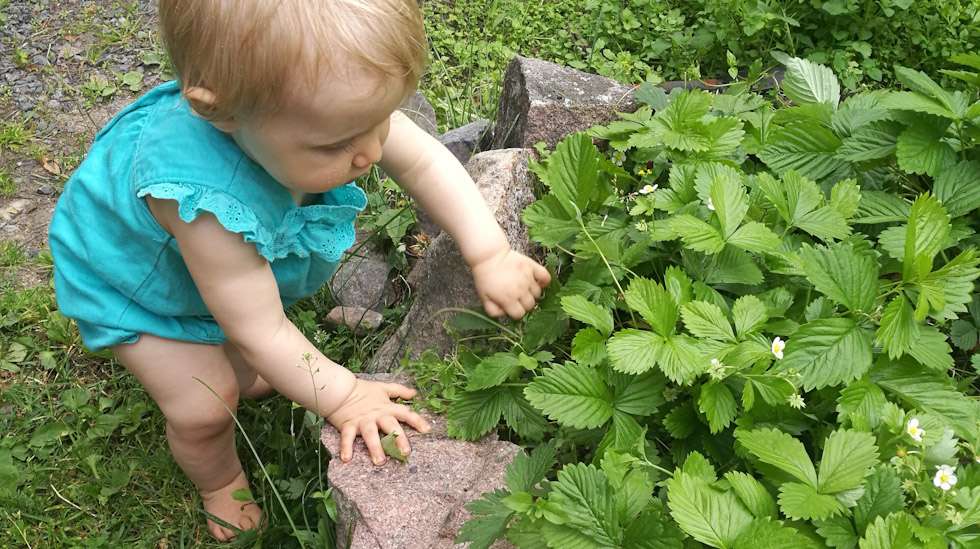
(250, 383)
(200, 430)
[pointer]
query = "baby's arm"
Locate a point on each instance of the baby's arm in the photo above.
(507, 281)
(240, 291)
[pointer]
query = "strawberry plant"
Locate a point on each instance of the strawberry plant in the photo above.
(748, 343)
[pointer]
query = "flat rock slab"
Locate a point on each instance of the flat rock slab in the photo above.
(414, 505)
(358, 320)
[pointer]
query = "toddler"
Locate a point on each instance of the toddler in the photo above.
(211, 203)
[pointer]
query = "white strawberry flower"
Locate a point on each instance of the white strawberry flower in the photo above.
(796, 401)
(945, 478)
(913, 429)
(648, 189)
(777, 347)
(710, 204)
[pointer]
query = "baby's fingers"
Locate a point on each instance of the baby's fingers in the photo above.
(390, 425)
(395, 390)
(369, 432)
(405, 415)
(347, 435)
(541, 275)
(493, 309)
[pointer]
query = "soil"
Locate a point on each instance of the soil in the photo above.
(49, 108)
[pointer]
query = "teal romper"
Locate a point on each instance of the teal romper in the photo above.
(119, 274)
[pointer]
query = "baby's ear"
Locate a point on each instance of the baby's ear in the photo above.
(203, 100)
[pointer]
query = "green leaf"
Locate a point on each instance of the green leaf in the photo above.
(964, 335)
(489, 522)
(589, 347)
(732, 266)
(584, 494)
(697, 234)
(755, 237)
(838, 532)
(920, 82)
(927, 229)
(771, 534)
(780, 450)
(956, 187)
(641, 394)
(705, 319)
(881, 207)
(653, 530)
(391, 449)
(573, 395)
(624, 435)
(750, 315)
(718, 405)
(802, 502)
(679, 359)
(895, 530)
(474, 414)
(870, 142)
(752, 494)
(882, 496)
(809, 150)
(493, 371)
(526, 471)
(520, 416)
(921, 150)
(547, 222)
(793, 197)
(932, 350)
(828, 351)
(898, 330)
(825, 223)
(581, 309)
(697, 465)
(847, 456)
(842, 273)
(708, 515)
(945, 292)
(634, 351)
(573, 173)
(845, 197)
(654, 304)
(729, 199)
(910, 101)
(932, 392)
(679, 126)
(861, 402)
(808, 82)
(774, 390)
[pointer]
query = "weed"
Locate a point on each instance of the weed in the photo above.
(14, 134)
(7, 185)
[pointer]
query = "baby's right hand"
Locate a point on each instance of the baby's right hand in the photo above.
(369, 408)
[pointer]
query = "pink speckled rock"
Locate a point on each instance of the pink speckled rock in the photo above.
(414, 505)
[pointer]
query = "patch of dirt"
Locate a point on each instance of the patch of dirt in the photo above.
(54, 59)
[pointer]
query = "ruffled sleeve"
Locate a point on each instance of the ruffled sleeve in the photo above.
(324, 229)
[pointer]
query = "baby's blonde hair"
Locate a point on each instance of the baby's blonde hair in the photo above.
(249, 53)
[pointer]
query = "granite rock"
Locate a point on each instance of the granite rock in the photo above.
(442, 278)
(542, 101)
(418, 504)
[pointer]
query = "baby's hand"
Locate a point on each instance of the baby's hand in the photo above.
(509, 282)
(368, 408)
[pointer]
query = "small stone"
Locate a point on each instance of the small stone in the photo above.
(357, 319)
(45, 190)
(14, 209)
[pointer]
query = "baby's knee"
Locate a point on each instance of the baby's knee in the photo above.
(205, 416)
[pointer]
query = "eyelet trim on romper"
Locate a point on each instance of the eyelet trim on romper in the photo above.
(325, 230)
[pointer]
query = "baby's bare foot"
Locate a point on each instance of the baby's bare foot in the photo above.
(259, 388)
(245, 515)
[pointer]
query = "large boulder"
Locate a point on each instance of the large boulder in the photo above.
(542, 101)
(442, 279)
(418, 504)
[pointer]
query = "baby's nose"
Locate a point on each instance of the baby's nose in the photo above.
(368, 151)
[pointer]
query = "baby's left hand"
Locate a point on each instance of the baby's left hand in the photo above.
(509, 283)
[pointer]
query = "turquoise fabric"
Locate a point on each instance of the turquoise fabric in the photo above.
(119, 274)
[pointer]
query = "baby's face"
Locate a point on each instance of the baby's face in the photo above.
(326, 137)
